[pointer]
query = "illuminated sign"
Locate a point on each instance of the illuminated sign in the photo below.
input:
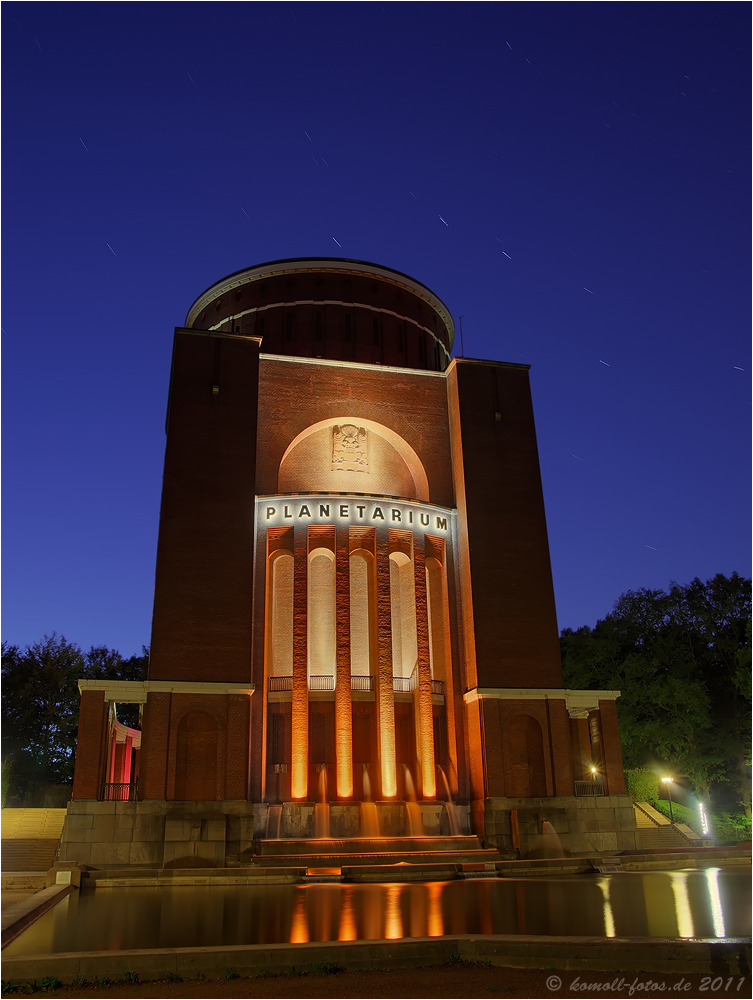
(347, 508)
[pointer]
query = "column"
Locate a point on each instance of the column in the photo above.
(343, 708)
(91, 746)
(611, 749)
(559, 740)
(300, 698)
(154, 739)
(422, 703)
(384, 691)
(580, 743)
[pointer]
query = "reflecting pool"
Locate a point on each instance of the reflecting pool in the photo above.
(710, 903)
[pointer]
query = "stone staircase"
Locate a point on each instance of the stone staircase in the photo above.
(656, 832)
(368, 859)
(30, 838)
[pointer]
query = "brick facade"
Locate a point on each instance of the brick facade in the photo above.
(314, 408)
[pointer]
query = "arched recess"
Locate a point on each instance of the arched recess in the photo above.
(394, 466)
(525, 772)
(362, 613)
(403, 602)
(322, 624)
(280, 614)
(196, 758)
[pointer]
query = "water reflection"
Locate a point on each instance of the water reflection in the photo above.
(711, 903)
(604, 885)
(712, 880)
(682, 904)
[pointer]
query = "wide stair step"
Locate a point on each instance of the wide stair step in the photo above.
(30, 838)
(28, 855)
(662, 837)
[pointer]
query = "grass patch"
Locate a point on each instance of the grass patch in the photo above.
(30, 986)
(130, 977)
(230, 974)
(173, 977)
(458, 960)
(325, 968)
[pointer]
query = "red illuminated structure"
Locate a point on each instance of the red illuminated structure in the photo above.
(352, 576)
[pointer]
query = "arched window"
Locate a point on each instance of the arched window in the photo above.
(322, 627)
(403, 602)
(280, 611)
(362, 619)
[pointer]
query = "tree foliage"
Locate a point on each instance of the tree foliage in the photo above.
(682, 660)
(40, 706)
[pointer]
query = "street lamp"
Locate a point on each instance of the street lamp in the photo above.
(668, 783)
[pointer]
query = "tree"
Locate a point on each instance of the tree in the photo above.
(39, 714)
(40, 706)
(682, 662)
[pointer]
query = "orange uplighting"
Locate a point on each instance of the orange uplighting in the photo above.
(347, 930)
(393, 922)
(435, 926)
(299, 930)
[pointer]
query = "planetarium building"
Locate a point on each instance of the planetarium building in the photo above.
(353, 596)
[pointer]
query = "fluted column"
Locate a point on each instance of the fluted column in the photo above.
(384, 692)
(300, 697)
(343, 708)
(422, 703)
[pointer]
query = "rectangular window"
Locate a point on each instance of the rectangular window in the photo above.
(347, 327)
(376, 329)
(400, 338)
(318, 326)
(289, 326)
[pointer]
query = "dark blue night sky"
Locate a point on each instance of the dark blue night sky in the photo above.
(573, 179)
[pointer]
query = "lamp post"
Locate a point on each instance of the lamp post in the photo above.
(668, 783)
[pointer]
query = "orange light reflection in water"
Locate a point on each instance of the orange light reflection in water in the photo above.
(299, 930)
(393, 919)
(435, 923)
(347, 929)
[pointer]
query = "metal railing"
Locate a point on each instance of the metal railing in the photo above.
(361, 682)
(437, 687)
(281, 683)
(120, 791)
(321, 682)
(589, 787)
(402, 684)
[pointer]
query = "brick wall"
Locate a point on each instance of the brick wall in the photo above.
(502, 522)
(201, 627)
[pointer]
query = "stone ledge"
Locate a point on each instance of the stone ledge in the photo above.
(629, 955)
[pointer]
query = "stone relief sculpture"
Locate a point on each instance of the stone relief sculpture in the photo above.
(350, 451)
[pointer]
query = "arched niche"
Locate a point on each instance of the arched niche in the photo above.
(316, 460)
(526, 774)
(280, 614)
(322, 627)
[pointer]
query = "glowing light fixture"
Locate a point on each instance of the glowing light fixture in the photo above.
(668, 783)
(704, 820)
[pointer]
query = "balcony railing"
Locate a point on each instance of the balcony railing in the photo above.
(589, 787)
(321, 682)
(437, 687)
(360, 682)
(402, 684)
(281, 683)
(120, 791)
